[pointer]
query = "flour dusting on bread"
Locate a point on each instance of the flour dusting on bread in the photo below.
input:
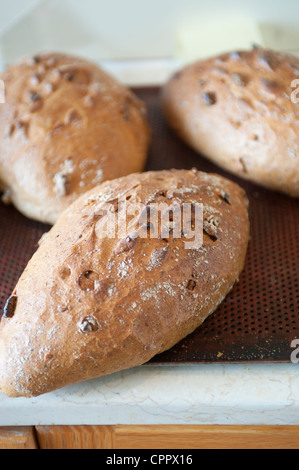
(89, 305)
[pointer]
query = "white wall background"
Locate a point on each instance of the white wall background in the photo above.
(144, 29)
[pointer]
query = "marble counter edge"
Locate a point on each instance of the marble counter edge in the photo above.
(255, 394)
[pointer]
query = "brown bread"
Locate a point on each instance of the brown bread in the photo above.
(66, 127)
(88, 306)
(241, 111)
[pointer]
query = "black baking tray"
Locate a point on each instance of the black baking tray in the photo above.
(259, 319)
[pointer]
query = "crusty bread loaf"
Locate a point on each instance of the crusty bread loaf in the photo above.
(89, 305)
(66, 127)
(237, 110)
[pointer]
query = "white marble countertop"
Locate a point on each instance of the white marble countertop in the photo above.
(255, 394)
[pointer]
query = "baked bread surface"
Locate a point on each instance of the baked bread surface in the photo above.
(89, 305)
(66, 127)
(240, 111)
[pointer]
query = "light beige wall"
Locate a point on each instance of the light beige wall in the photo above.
(133, 29)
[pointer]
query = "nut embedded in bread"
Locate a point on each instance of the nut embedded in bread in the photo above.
(89, 305)
(66, 127)
(237, 110)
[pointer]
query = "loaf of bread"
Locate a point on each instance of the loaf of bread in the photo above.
(66, 127)
(92, 302)
(240, 111)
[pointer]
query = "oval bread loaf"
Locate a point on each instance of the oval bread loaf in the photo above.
(89, 304)
(66, 127)
(240, 111)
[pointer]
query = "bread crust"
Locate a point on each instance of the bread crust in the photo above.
(66, 127)
(237, 110)
(88, 306)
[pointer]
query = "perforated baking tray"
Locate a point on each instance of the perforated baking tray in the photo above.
(259, 319)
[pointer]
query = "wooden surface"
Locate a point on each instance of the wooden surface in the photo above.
(18, 438)
(150, 437)
(168, 437)
(76, 437)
